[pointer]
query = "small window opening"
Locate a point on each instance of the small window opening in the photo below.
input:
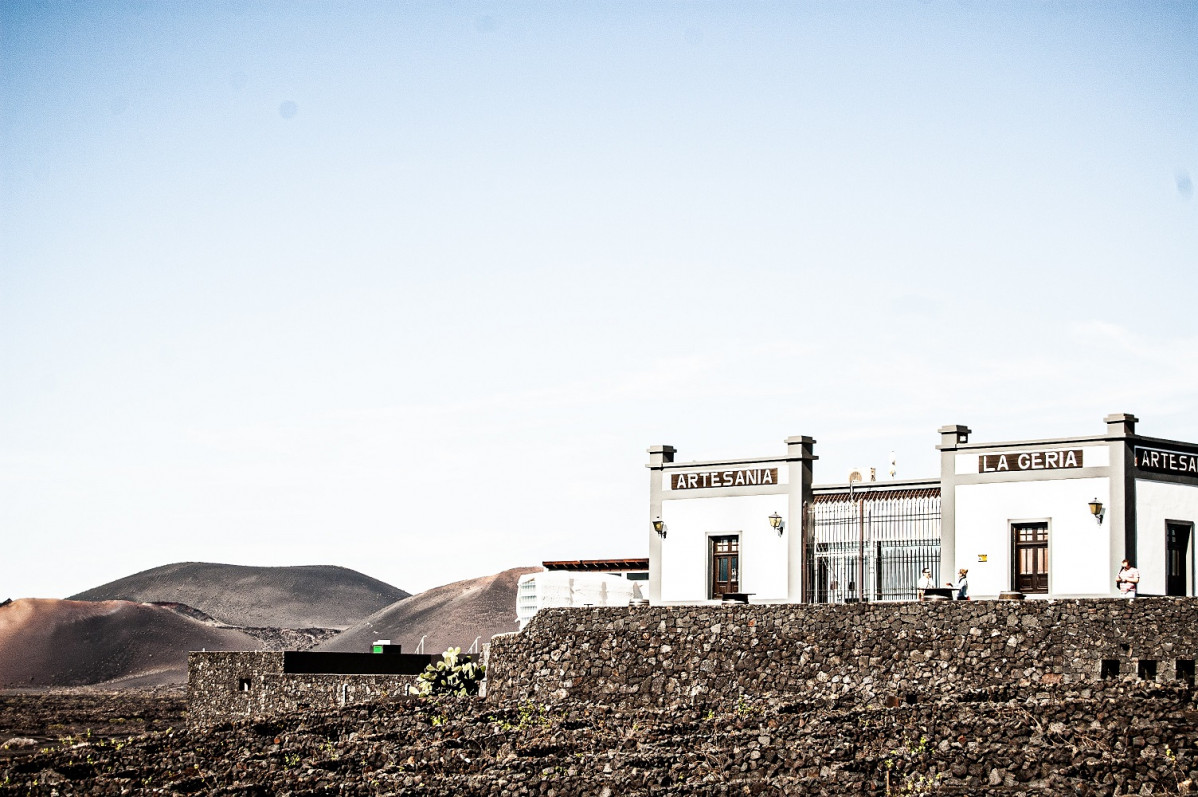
(1124, 647)
(1185, 670)
(1110, 668)
(1146, 669)
(243, 685)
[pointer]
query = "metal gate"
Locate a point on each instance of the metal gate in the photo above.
(871, 545)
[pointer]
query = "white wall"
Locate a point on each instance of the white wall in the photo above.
(1078, 548)
(763, 552)
(1157, 502)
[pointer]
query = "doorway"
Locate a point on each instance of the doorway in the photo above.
(1031, 557)
(1177, 557)
(725, 565)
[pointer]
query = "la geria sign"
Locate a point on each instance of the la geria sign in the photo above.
(1030, 460)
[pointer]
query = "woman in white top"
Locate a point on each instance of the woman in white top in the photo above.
(962, 585)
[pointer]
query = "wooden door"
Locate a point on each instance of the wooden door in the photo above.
(725, 566)
(1177, 549)
(1031, 557)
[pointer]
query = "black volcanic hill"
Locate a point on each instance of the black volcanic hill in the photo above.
(72, 643)
(451, 616)
(312, 596)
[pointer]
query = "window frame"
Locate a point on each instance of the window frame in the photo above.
(710, 539)
(1013, 571)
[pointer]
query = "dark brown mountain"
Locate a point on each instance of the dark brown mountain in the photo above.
(450, 616)
(47, 642)
(313, 596)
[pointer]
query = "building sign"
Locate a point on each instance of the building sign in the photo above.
(723, 478)
(1166, 461)
(1030, 460)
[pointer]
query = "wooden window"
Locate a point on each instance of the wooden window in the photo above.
(1031, 557)
(725, 565)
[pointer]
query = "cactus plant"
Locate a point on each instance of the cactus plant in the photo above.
(449, 676)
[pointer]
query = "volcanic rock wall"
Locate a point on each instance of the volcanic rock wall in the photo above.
(862, 654)
(223, 687)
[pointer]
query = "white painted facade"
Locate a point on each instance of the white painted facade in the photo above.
(990, 489)
(990, 496)
(691, 522)
(699, 503)
(1158, 503)
(1078, 548)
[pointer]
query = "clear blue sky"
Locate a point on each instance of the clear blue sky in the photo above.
(411, 287)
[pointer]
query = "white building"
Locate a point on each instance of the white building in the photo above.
(712, 530)
(1039, 517)
(1021, 515)
(580, 582)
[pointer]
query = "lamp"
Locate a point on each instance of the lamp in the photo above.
(1096, 510)
(776, 523)
(659, 526)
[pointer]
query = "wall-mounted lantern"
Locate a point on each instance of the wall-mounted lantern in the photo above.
(776, 523)
(659, 526)
(1096, 510)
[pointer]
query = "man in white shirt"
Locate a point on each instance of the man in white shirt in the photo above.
(1128, 580)
(925, 582)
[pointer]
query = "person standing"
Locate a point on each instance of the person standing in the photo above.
(925, 582)
(1128, 580)
(962, 585)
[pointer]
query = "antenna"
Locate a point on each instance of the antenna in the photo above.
(893, 464)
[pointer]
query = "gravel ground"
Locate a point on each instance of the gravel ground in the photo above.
(37, 719)
(1138, 739)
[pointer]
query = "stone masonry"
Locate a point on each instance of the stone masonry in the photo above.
(855, 655)
(223, 687)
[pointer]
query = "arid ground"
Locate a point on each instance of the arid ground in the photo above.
(36, 720)
(1132, 739)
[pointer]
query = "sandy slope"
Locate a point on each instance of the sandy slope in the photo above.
(47, 642)
(125, 644)
(451, 615)
(320, 596)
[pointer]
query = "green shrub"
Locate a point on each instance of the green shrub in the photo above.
(449, 676)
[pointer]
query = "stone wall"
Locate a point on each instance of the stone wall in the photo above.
(864, 654)
(222, 687)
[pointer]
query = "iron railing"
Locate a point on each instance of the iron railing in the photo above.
(871, 546)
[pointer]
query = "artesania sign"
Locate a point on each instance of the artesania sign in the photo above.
(1166, 461)
(723, 478)
(1030, 460)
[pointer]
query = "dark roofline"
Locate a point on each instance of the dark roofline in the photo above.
(874, 486)
(598, 564)
(876, 495)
